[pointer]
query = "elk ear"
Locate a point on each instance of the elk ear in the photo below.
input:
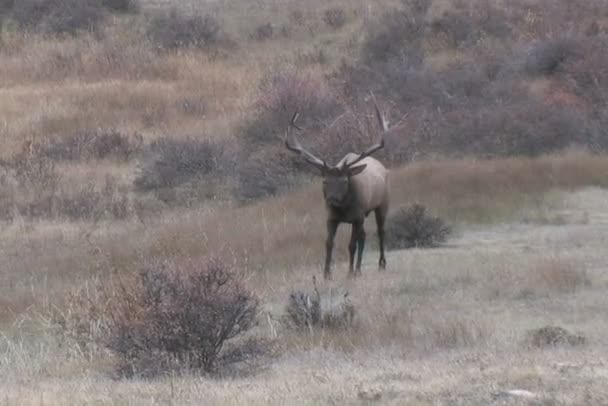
(355, 170)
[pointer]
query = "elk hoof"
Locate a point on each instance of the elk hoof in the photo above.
(327, 275)
(382, 265)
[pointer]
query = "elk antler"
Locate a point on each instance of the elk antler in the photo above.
(293, 144)
(375, 147)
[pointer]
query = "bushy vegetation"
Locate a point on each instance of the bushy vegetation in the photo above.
(335, 17)
(306, 310)
(93, 144)
(177, 30)
(413, 227)
(182, 316)
(482, 101)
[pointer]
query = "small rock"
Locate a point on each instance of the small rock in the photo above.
(516, 393)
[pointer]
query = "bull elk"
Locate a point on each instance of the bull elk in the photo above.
(353, 188)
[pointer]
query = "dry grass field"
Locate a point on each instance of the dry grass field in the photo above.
(510, 310)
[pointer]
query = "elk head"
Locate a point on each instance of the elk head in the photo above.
(336, 178)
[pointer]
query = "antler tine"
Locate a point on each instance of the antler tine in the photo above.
(379, 145)
(295, 146)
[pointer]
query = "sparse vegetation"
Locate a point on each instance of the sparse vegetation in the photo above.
(132, 134)
(335, 17)
(179, 316)
(552, 336)
(413, 227)
(176, 30)
(93, 144)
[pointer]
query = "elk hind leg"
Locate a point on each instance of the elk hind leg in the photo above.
(380, 220)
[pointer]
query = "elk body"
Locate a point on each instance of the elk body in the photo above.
(353, 188)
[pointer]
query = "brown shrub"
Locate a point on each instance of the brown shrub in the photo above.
(549, 56)
(413, 227)
(33, 188)
(58, 16)
(266, 169)
(281, 94)
(264, 32)
(180, 315)
(93, 144)
(122, 6)
(306, 310)
(170, 162)
(550, 336)
(335, 17)
(175, 30)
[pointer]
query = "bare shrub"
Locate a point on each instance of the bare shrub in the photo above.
(265, 173)
(29, 187)
(469, 22)
(32, 187)
(175, 30)
(94, 144)
(264, 32)
(106, 201)
(122, 6)
(180, 316)
(297, 17)
(549, 56)
(558, 275)
(305, 310)
(267, 170)
(398, 35)
(170, 162)
(550, 336)
(281, 94)
(335, 17)
(413, 227)
(58, 16)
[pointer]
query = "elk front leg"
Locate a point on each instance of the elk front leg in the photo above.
(332, 227)
(360, 246)
(352, 247)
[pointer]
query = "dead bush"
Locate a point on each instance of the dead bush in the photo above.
(306, 310)
(94, 202)
(413, 227)
(181, 316)
(266, 173)
(94, 144)
(170, 162)
(335, 17)
(549, 56)
(175, 30)
(28, 187)
(122, 6)
(471, 21)
(550, 336)
(281, 94)
(399, 34)
(264, 32)
(58, 16)
(33, 188)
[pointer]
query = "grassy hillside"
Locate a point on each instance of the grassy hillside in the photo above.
(143, 133)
